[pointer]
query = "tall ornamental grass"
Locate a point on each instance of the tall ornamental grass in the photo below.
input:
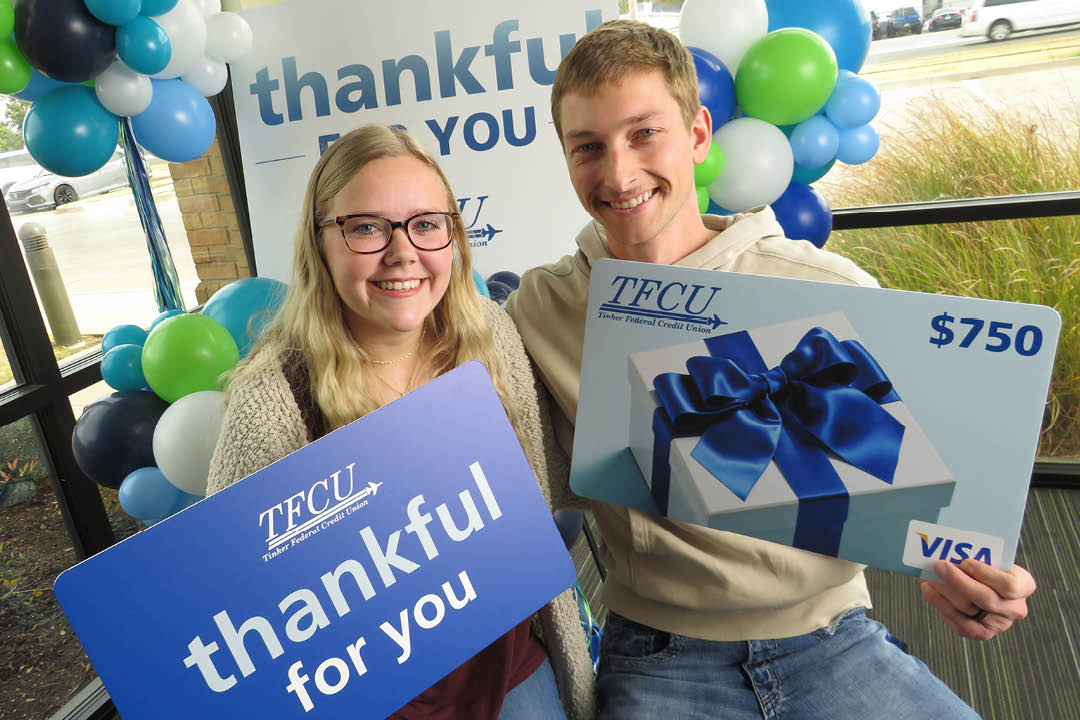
(951, 153)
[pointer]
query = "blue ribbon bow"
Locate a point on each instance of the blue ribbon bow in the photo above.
(825, 395)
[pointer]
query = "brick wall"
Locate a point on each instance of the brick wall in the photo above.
(206, 206)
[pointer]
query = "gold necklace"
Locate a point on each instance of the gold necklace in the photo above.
(405, 356)
(412, 375)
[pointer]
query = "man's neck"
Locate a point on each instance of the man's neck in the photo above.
(668, 248)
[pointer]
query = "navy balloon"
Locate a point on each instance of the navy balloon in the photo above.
(69, 132)
(716, 87)
(499, 291)
(506, 277)
(804, 214)
(63, 39)
(245, 307)
(179, 125)
(844, 24)
(805, 175)
(115, 435)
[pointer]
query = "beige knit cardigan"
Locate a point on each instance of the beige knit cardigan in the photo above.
(263, 424)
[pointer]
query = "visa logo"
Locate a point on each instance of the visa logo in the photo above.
(955, 552)
(927, 543)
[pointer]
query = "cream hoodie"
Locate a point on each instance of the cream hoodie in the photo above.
(670, 575)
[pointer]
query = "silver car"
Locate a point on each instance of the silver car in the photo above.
(46, 189)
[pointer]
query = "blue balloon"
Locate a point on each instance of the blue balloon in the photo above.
(481, 286)
(842, 75)
(39, 85)
(145, 494)
(186, 500)
(68, 132)
(715, 209)
(179, 125)
(807, 175)
(804, 214)
(163, 317)
(857, 145)
(143, 45)
(716, 87)
(122, 335)
(814, 141)
(114, 12)
(121, 367)
(853, 102)
(499, 291)
(844, 24)
(157, 7)
(506, 277)
(245, 307)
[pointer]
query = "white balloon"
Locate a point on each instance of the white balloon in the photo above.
(228, 36)
(122, 91)
(185, 437)
(208, 76)
(208, 7)
(186, 28)
(726, 28)
(757, 164)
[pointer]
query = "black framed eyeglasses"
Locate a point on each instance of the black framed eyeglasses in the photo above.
(365, 233)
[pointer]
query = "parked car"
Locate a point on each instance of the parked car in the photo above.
(875, 25)
(998, 19)
(905, 19)
(46, 189)
(16, 165)
(945, 19)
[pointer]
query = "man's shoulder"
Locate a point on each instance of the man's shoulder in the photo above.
(801, 260)
(561, 283)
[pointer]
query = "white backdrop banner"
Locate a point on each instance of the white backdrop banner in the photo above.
(472, 85)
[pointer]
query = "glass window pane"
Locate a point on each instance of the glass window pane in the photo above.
(1031, 261)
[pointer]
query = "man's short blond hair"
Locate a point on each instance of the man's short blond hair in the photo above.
(617, 49)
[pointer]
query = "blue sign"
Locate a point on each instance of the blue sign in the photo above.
(341, 581)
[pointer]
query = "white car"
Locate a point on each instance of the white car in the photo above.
(46, 189)
(998, 19)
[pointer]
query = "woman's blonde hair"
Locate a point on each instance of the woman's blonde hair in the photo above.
(312, 317)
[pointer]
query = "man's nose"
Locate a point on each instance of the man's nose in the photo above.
(620, 169)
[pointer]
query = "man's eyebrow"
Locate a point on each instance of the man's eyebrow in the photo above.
(630, 121)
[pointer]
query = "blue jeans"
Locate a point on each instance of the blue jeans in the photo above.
(535, 698)
(847, 671)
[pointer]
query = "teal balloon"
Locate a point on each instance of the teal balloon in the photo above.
(244, 307)
(68, 132)
(163, 317)
(157, 7)
(122, 335)
(807, 175)
(121, 367)
(114, 12)
(143, 45)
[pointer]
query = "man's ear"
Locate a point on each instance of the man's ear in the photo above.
(701, 134)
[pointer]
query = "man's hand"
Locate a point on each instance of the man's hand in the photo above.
(977, 601)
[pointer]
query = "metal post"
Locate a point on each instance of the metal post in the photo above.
(50, 286)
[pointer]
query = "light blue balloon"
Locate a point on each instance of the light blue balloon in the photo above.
(114, 12)
(857, 145)
(157, 7)
(143, 45)
(68, 132)
(807, 175)
(122, 335)
(844, 24)
(179, 124)
(186, 500)
(245, 307)
(163, 317)
(121, 367)
(814, 141)
(145, 494)
(853, 102)
(481, 286)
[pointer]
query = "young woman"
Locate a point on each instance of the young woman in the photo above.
(381, 302)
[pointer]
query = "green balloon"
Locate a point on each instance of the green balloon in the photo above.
(14, 69)
(711, 167)
(702, 198)
(786, 76)
(186, 354)
(7, 18)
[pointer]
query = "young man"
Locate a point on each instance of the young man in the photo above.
(706, 623)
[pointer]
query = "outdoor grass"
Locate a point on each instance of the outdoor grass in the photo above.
(952, 154)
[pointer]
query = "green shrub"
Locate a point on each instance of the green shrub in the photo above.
(948, 154)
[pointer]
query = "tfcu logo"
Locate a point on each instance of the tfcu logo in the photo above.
(314, 508)
(927, 543)
(673, 305)
(479, 235)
